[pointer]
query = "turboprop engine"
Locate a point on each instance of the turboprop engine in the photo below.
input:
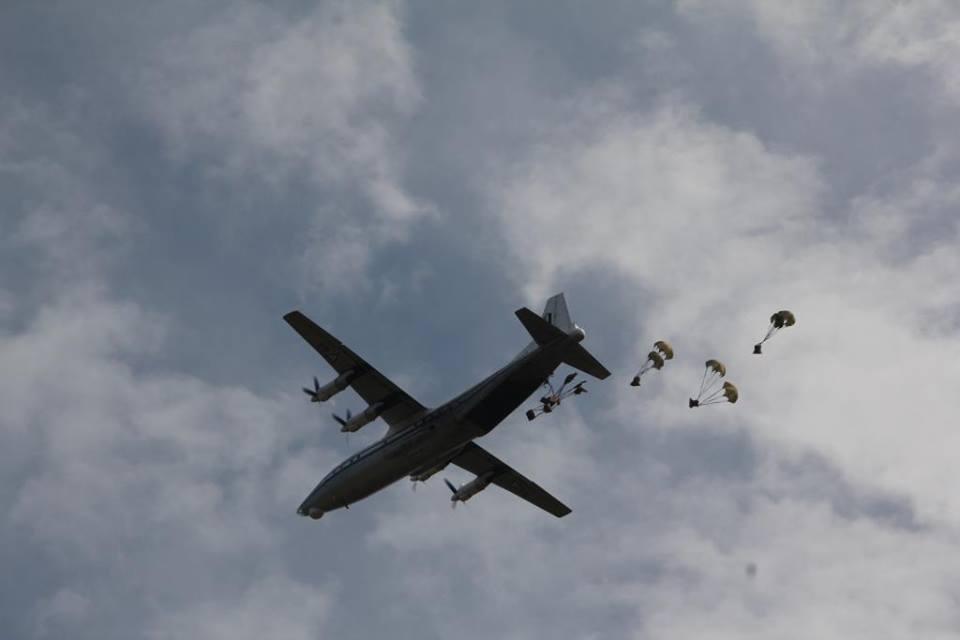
(354, 422)
(470, 489)
(327, 391)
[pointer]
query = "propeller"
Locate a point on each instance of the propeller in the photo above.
(315, 392)
(453, 490)
(342, 421)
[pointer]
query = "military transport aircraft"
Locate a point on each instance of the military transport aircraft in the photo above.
(421, 441)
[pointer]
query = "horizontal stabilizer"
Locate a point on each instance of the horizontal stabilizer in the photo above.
(579, 358)
(540, 330)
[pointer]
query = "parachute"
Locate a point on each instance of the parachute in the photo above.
(655, 360)
(664, 348)
(555, 396)
(778, 321)
(711, 390)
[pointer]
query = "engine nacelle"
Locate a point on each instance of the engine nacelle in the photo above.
(472, 488)
(423, 476)
(368, 415)
(327, 391)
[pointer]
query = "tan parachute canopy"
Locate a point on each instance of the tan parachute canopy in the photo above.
(656, 359)
(664, 348)
(717, 367)
(778, 321)
(730, 392)
(783, 318)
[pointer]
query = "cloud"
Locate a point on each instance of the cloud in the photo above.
(846, 37)
(275, 607)
(313, 101)
(65, 607)
(141, 498)
(138, 475)
(653, 550)
(113, 468)
(57, 218)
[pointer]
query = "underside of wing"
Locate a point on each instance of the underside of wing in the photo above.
(370, 384)
(479, 461)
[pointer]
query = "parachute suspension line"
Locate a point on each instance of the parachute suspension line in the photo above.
(772, 330)
(703, 380)
(727, 394)
(711, 397)
(550, 386)
(717, 400)
(710, 388)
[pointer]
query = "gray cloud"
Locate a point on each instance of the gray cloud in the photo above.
(174, 178)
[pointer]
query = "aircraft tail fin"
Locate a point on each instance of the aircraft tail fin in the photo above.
(556, 313)
(556, 323)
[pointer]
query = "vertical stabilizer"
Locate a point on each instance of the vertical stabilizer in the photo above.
(554, 325)
(555, 312)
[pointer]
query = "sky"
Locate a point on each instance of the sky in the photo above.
(176, 176)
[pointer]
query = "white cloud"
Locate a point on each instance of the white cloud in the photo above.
(845, 36)
(264, 97)
(650, 553)
(143, 450)
(274, 607)
(55, 211)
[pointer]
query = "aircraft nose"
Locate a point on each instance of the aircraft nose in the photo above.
(320, 500)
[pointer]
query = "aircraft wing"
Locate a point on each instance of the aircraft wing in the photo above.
(478, 461)
(370, 384)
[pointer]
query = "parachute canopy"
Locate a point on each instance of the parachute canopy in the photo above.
(782, 319)
(664, 348)
(717, 367)
(656, 359)
(730, 392)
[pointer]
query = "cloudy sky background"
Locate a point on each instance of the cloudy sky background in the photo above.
(174, 177)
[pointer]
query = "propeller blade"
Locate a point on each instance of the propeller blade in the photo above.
(316, 385)
(340, 420)
(309, 392)
(453, 489)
